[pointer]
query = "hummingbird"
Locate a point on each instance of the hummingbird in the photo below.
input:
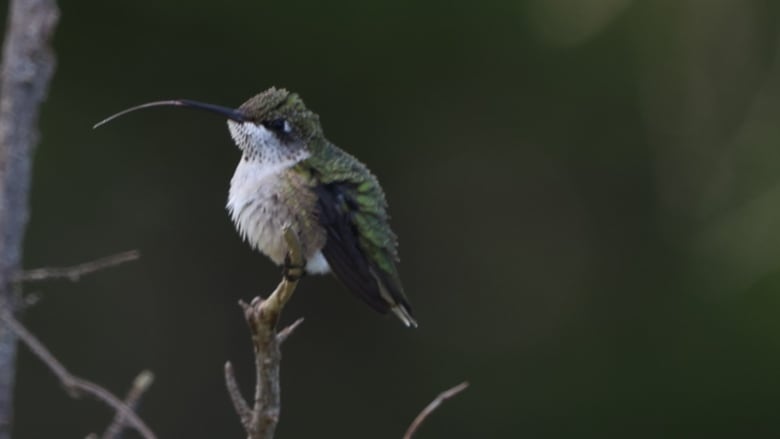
(290, 174)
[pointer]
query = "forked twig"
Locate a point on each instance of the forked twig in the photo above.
(133, 398)
(73, 384)
(260, 420)
(443, 396)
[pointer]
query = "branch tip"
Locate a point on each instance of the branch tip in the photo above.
(143, 380)
(286, 332)
(432, 406)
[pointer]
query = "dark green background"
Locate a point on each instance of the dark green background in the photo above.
(587, 195)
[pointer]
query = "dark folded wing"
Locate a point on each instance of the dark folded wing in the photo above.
(346, 255)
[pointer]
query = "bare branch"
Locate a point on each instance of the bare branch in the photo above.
(242, 408)
(443, 396)
(133, 398)
(74, 385)
(262, 316)
(27, 66)
(75, 272)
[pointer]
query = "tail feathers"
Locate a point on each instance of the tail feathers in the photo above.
(403, 313)
(391, 292)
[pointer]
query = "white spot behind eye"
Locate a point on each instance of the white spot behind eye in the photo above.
(287, 127)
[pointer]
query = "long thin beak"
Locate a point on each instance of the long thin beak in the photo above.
(229, 113)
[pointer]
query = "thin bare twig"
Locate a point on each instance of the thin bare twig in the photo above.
(133, 398)
(286, 332)
(242, 408)
(74, 385)
(443, 396)
(262, 316)
(75, 272)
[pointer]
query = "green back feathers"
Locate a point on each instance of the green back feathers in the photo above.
(360, 247)
(369, 211)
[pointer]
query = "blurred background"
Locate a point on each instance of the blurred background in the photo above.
(587, 195)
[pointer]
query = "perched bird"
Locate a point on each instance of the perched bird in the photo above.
(290, 174)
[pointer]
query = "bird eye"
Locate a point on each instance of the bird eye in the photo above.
(278, 125)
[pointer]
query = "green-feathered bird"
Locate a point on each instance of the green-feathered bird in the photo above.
(290, 174)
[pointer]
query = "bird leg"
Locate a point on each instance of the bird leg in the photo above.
(293, 272)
